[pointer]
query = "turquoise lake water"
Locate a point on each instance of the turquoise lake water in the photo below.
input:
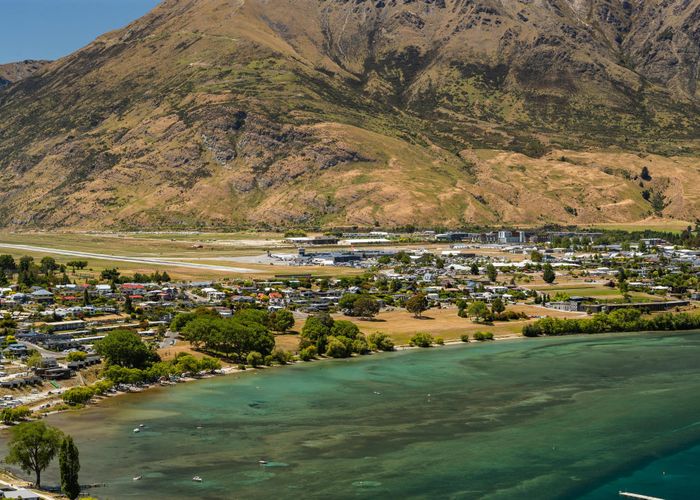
(577, 417)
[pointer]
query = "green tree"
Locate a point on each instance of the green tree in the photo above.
(25, 263)
(128, 305)
(69, 466)
(110, 274)
(474, 269)
(347, 302)
(380, 342)
(497, 305)
(48, 265)
(658, 202)
(536, 256)
(336, 348)
(254, 359)
(8, 264)
(343, 328)
(32, 446)
(76, 356)
(316, 330)
(366, 307)
(478, 310)
(308, 353)
(548, 274)
(35, 360)
(483, 336)
(125, 348)
(417, 304)
(12, 415)
(78, 395)
(491, 272)
(281, 321)
(421, 340)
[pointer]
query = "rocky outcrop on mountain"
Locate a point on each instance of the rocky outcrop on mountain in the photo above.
(214, 113)
(14, 72)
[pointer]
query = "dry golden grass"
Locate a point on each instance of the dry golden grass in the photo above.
(401, 325)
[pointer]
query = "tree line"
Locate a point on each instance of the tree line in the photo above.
(620, 320)
(322, 334)
(247, 331)
(130, 361)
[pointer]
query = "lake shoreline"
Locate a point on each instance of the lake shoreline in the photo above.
(482, 396)
(231, 370)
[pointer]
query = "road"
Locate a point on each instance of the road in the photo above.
(123, 258)
(169, 340)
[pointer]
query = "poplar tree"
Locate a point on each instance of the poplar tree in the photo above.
(69, 464)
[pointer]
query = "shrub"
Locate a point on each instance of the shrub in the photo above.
(11, 415)
(440, 341)
(102, 386)
(465, 337)
(78, 395)
(281, 356)
(359, 345)
(308, 353)
(482, 336)
(380, 342)
(255, 359)
(421, 340)
(76, 356)
(336, 348)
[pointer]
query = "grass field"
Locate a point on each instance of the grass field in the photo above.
(670, 225)
(200, 248)
(401, 325)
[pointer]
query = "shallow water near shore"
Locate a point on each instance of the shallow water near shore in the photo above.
(578, 417)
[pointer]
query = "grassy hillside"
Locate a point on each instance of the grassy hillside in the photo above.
(216, 113)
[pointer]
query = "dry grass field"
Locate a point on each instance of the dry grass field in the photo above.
(401, 325)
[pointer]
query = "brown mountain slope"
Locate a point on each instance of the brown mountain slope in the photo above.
(220, 113)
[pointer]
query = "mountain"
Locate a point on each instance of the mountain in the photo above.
(14, 72)
(220, 113)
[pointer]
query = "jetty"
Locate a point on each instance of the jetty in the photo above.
(638, 496)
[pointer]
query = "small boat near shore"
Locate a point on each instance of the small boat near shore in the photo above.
(137, 430)
(197, 479)
(137, 478)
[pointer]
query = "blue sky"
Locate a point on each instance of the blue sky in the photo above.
(49, 29)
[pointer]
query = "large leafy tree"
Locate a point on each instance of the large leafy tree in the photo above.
(69, 464)
(417, 304)
(478, 310)
(32, 446)
(316, 330)
(366, 307)
(282, 320)
(125, 348)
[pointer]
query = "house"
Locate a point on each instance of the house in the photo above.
(213, 295)
(103, 289)
(567, 306)
(17, 349)
(63, 326)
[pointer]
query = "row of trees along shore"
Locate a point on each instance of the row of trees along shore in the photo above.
(620, 320)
